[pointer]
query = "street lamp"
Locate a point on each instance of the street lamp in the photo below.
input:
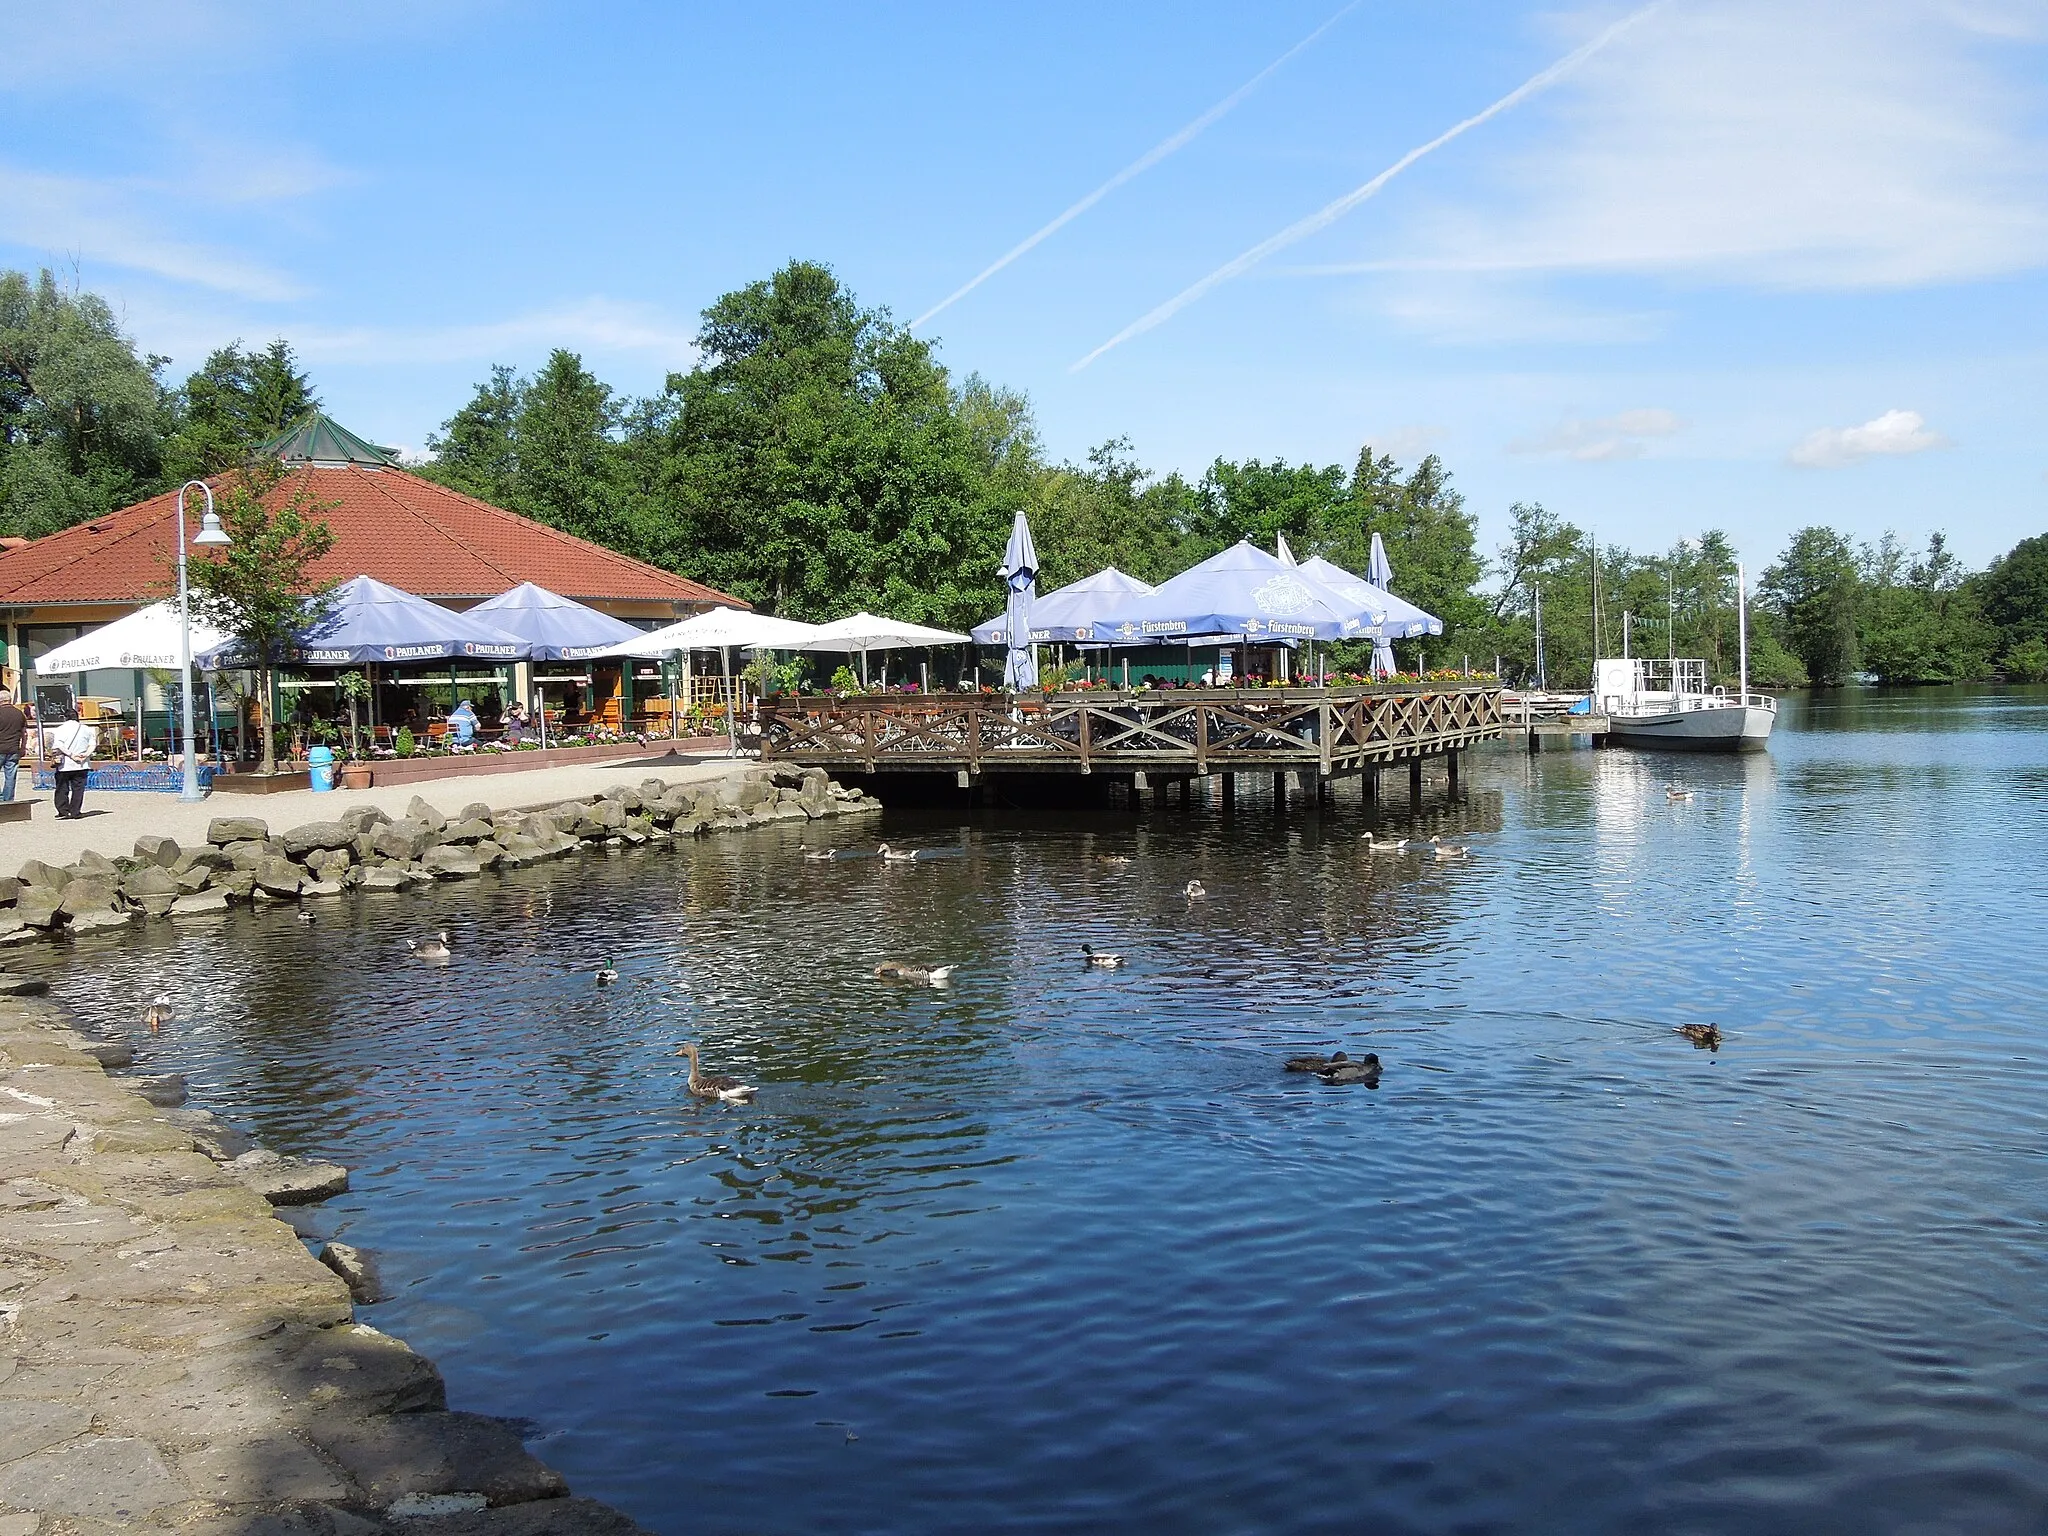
(210, 535)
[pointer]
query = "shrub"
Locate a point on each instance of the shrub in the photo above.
(404, 741)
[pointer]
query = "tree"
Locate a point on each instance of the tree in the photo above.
(260, 589)
(80, 413)
(562, 443)
(234, 404)
(2014, 595)
(474, 451)
(1431, 542)
(1813, 593)
(1111, 512)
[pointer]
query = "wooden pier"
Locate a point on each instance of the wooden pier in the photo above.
(1539, 715)
(1142, 736)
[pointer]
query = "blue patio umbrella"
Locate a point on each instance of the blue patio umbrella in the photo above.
(1244, 594)
(366, 620)
(1020, 574)
(1404, 620)
(557, 628)
(1069, 613)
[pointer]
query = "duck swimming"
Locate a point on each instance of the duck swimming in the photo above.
(435, 948)
(1193, 889)
(1705, 1037)
(607, 973)
(897, 970)
(1444, 850)
(1675, 793)
(897, 855)
(1100, 958)
(1314, 1063)
(1364, 1070)
(714, 1085)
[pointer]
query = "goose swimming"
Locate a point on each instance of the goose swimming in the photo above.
(1444, 850)
(821, 855)
(714, 1085)
(897, 855)
(1101, 958)
(1393, 845)
(897, 970)
(1674, 793)
(435, 948)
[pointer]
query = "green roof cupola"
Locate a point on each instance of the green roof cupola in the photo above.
(321, 440)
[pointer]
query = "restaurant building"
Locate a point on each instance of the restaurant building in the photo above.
(387, 523)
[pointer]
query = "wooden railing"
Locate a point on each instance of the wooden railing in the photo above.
(1209, 730)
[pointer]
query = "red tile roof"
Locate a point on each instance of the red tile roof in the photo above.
(388, 524)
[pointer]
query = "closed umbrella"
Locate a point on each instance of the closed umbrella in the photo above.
(1381, 574)
(1020, 574)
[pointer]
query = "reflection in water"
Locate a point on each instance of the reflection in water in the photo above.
(1062, 1247)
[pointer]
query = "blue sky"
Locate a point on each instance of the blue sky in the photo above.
(1748, 263)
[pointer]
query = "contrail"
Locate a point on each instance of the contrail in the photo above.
(1326, 216)
(1137, 167)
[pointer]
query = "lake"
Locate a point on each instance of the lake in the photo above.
(1057, 1248)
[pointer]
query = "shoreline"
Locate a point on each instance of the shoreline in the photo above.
(172, 1353)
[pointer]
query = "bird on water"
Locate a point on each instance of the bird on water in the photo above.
(1315, 1063)
(1193, 889)
(1391, 845)
(1675, 793)
(1705, 1037)
(435, 948)
(897, 855)
(1101, 958)
(157, 1014)
(607, 973)
(1364, 1070)
(898, 970)
(820, 855)
(714, 1085)
(1444, 850)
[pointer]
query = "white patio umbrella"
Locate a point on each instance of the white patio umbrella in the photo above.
(864, 632)
(720, 630)
(146, 638)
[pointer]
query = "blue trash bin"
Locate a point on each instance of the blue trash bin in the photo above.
(321, 761)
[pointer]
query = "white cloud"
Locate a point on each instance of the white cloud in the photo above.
(592, 324)
(1620, 436)
(1788, 143)
(1895, 432)
(1407, 444)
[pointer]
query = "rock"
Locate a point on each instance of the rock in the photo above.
(156, 906)
(403, 840)
(97, 1478)
(88, 895)
(418, 810)
(192, 881)
(384, 878)
(606, 815)
(100, 918)
(249, 855)
(328, 863)
(322, 888)
(211, 1135)
(289, 1180)
(625, 795)
(355, 1267)
(363, 818)
(98, 865)
(163, 852)
(471, 831)
(150, 880)
(36, 874)
(110, 1053)
(208, 858)
(200, 903)
(437, 1453)
(476, 810)
(223, 830)
(278, 877)
(38, 906)
(488, 854)
(449, 862)
(314, 835)
(236, 884)
(518, 852)
(166, 1090)
(9, 889)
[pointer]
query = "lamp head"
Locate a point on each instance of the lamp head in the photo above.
(211, 532)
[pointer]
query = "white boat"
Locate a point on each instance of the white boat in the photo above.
(1668, 704)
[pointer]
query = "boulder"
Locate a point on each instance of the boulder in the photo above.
(98, 865)
(207, 858)
(384, 878)
(322, 888)
(449, 862)
(607, 816)
(248, 855)
(110, 1054)
(88, 895)
(418, 810)
(211, 1135)
(488, 853)
(200, 903)
(476, 810)
(363, 818)
(278, 877)
(316, 836)
(96, 918)
(467, 831)
(223, 830)
(13, 930)
(328, 863)
(191, 880)
(237, 884)
(161, 851)
(156, 906)
(403, 840)
(626, 795)
(45, 876)
(150, 880)
(166, 1090)
(9, 889)
(417, 1457)
(517, 852)
(289, 1180)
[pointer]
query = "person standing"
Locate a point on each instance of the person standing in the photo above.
(74, 743)
(13, 732)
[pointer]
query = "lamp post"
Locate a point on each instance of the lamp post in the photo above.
(211, 535)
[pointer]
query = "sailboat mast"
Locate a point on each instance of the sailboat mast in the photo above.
(1742, 629)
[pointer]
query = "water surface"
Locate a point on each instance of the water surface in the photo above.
(1057, 1249)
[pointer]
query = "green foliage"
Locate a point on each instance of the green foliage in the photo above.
(2014, 597)
(232, 405)
(474, 451)
(844, 680)
(260, 589)
(2027, 662)
(1813, 592)
(80, 413)
(404, 742)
